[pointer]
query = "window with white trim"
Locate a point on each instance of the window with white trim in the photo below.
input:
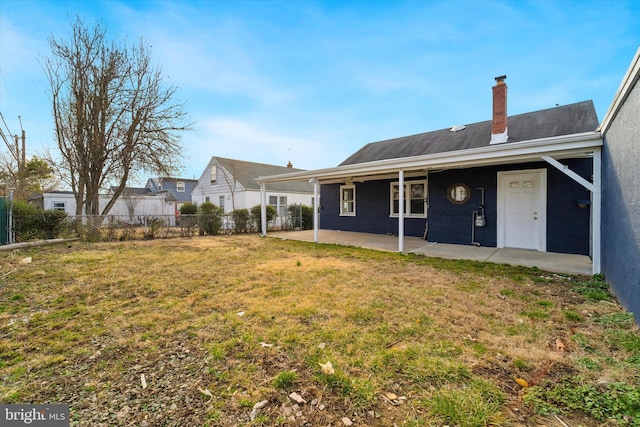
(279, 203)
(282, 208)
(180, 187)
(221, 202)
(58, 206)
(415, 197)
(348, 200)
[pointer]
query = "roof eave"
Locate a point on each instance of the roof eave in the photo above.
(574, 145)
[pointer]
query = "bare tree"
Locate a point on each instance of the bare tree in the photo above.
(231, 169)
(113, 116)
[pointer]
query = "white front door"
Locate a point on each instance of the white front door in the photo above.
(522, 209)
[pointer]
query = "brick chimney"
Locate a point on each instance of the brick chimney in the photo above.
(499, 125)
(290, 165)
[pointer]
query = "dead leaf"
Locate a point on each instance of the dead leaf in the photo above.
(327, 368)
(392, 398)
(522, 382)
(560, 345)
(206, 392)
(256, 408)
(143, 380)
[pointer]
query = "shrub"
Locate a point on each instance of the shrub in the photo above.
(154, 225)
(188, 220)
(32, 222)
(301, 216)
(256, 214)
(188, 209)
(209, 219)
(241, 218)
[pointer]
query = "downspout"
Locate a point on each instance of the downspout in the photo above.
(315, 209)
(401, 211)
(263, 208)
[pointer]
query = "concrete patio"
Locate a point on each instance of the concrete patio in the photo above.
(548, 261)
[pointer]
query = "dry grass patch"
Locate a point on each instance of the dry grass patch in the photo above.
(218, 325)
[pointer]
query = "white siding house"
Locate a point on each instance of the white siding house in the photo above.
(231, 184)
(131, 204)
(56, 200)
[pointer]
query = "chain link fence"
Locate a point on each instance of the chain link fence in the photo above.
(49, 225)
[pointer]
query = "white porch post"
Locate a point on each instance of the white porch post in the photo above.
(595, 188)
(316, 206)
(263, 208)
(596, 211)
(401, 211)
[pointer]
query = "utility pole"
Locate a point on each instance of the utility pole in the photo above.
(18, 158)
(22, 162)
(24, 146)
(24, 149)
(21, 159)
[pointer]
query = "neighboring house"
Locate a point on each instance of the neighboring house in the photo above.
(140, 202)
(621, 191)
(56, 200)
(527, 181)
(231, 184)
(180, 189)
(132, 203)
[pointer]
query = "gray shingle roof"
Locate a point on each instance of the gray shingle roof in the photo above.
(246, 173)
(130, 191)
(564, 120)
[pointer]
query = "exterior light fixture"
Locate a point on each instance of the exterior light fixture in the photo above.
(583, 203)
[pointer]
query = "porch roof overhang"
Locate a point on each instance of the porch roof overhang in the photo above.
(580, 145)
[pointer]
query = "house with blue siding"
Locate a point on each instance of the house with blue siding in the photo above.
(178, 189)
(529, 181)
(621, 191)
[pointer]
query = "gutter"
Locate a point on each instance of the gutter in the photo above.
(574, 144)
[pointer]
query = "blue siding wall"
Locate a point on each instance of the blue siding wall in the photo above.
(567, 225)
(372, 210)
(450, 223)
(621, 204)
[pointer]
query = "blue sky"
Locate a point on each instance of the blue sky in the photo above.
(313, 81)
